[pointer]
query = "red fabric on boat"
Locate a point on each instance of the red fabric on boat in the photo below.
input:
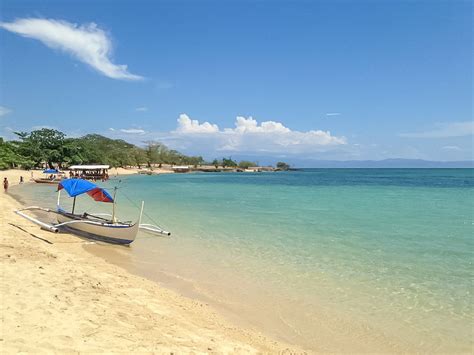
(98, 195)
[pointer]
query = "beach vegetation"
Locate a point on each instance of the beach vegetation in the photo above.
(43, 145)
(216, 163)
(228, 163)
(51, 148)
(245, 164)
(9, 158)
(282, 166)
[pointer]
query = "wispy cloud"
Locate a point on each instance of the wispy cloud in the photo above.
(4, 111)
(445, 130)
(333, 114)
(88, 43)
(132, 131)
(451, 148)
(141, 109)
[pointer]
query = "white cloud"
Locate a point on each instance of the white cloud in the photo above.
(333, 114)
(186, 125)
(445, 130)
(4, 111)
(141, 109)
(131, 131)
(88, 43)
(281, 134)
(249, 125)
(248, 135)
(451, 148)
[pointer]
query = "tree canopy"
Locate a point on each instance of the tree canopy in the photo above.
(244, 164)
(228, 162)
(282, 166)
(52, 148)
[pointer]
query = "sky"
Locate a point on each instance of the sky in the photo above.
(302, 80)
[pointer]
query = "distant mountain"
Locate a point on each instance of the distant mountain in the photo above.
(386, 163)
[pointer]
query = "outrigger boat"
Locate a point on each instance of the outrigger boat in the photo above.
(54, 178)
(99, 226)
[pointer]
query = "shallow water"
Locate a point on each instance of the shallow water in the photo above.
(331, 259)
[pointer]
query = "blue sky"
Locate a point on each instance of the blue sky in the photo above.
(337, 80)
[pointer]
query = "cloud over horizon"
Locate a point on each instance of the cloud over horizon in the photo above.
(247, 136)
(187, 125)
(87, 43)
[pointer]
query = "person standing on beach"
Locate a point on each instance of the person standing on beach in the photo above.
(5, 184)
(21, 180)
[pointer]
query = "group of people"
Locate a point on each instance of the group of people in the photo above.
(88, 175)
(72, 175)
(6, 183)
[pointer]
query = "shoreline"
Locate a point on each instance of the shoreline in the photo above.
(315, 322)
(71, 300)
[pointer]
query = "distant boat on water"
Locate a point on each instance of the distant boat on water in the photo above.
(55, 176)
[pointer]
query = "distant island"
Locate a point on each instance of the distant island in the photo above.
(396, 163)
(386, 163)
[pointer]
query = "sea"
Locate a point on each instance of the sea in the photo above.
(327, 259)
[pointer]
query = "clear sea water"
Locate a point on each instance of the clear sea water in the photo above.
(329, 259)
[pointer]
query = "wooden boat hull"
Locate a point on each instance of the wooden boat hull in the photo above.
(108, 232)
(47, 181)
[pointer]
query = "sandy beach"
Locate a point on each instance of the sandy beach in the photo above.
(57, 297)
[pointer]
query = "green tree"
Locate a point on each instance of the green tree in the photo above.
(228, 162)
(139, 156)
(97, 149)
(155, 153)
(9, 158)
(216, 163)
(73, 152)
(43, 145)
(282, 166)
(51, 146)
(195, 161)
(245, 164)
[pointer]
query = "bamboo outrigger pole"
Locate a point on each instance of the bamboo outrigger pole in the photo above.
(113, 207)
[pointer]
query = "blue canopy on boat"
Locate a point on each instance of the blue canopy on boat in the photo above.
(76, 187)
(50, 171)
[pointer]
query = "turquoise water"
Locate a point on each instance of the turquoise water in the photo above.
(331, 259)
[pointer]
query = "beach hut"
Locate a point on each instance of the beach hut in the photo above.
(181, 168)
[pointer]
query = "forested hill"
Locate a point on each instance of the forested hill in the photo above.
(53, 147)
